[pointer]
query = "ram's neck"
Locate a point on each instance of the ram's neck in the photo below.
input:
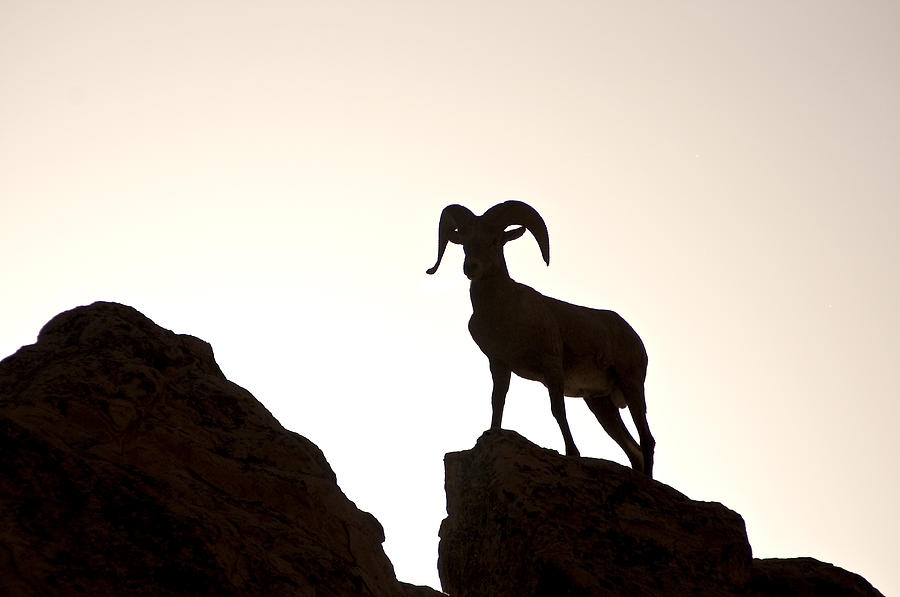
(486, 292)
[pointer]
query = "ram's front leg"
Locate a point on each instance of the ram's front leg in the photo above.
(501, 374)
(558, 408)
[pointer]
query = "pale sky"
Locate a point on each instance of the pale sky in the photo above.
(268, 176)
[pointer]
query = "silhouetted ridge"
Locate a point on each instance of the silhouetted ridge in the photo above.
(129, 465)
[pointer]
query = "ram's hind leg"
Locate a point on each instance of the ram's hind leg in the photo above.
(637, 404)
(608, 415)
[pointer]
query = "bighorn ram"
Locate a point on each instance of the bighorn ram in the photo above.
(572, 350)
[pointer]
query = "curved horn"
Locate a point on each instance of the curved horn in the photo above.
(517, 213)
(452, 217)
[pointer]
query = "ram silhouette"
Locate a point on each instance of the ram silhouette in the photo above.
(574, 351)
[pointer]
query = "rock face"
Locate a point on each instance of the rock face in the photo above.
(526, 521)
(129, 465)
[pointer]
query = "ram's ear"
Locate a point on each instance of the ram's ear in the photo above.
(513, 234)
(455, 236)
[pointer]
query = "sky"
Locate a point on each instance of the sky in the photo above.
(268, 176)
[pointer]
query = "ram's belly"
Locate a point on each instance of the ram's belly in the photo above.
(529, 372)
(578, 383)
(584, 381)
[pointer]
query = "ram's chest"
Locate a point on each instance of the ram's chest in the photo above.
(523, 339)
(495, 333)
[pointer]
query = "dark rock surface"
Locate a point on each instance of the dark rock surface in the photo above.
(420, 591)
(129, 465)
(805, 577)
(523, 520)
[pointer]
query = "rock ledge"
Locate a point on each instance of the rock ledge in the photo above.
(523, 520)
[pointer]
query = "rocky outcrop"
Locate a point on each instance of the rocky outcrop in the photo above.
(129, 465)
(420, 591)
(526, 521)
(805, 577)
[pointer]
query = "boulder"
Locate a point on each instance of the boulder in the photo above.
(129, 465)
(522, 520)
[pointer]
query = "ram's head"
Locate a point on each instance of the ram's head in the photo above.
(483, 237)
